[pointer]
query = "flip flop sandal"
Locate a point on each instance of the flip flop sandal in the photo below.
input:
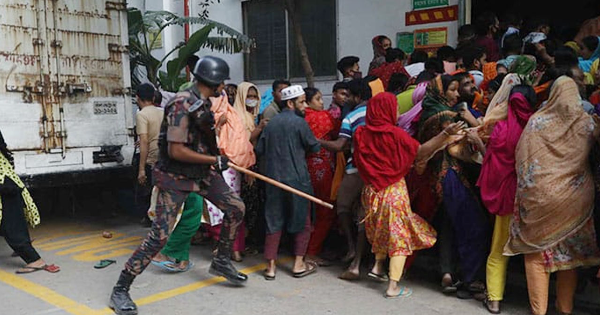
(49, 268)
(380, 278)
(104, 263)
(404, 292)
(162, 264)
(487, 307)
(268, 277)
(172, 267)
(310, 269)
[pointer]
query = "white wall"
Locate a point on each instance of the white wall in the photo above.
(359, 21)
(228, 12)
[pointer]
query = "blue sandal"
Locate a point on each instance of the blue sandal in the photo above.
(404, 292)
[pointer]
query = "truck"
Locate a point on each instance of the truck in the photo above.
(65, 106)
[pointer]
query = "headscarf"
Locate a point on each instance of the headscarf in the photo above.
(498, 108)
(266, 100)
(435, 109)
(385, 71)
(573, 45)
(523, 65)
(248, 119)
(534, 38)
(233, 137)
(586, 64)
(406, 120)
(555, 188)
(378, 53)
(498, 178)
(383, 152)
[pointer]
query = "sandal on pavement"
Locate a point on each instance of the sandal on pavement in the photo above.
(29, 269)
(404, 292)
(162, 264)
(104, 263)
(173, 267)
(268, 277)
(377, 277)
(486, 304)
(310, 269)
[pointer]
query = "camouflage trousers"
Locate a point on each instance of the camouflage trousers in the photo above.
(168, 203)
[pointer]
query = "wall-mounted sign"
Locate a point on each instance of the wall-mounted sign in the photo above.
(432, 15)
(406, 42)
(424, 4)
(431, 37)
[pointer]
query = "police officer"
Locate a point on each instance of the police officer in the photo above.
(189, 162)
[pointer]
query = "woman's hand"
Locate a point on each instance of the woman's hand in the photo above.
(263, 123)
(474, 139)
(465, 114)
(454, 128)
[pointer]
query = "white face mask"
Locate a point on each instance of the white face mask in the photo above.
(251, 103)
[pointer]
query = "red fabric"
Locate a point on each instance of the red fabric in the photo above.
(498, 178)
(385, 72)
(384, 153)
(377, 47)
(321, 168)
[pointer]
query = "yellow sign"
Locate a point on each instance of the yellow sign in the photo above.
(431, 37)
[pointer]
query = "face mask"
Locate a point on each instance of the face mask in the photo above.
(251, 103)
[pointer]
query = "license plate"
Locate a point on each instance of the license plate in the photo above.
(105, 108)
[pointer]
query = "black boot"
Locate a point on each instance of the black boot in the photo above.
(120, 301)
(221, 264)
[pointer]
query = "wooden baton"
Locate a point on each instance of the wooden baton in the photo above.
(281, 185)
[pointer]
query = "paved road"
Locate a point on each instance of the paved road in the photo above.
(81, 290)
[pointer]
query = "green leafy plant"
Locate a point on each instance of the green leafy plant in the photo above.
(213, 35)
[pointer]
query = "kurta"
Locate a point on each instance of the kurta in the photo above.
(283, 145)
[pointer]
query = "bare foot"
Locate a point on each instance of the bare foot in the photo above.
(318, 260)
(160, 258)
(493, 306)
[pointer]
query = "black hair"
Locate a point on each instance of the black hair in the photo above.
(446, 80)
(191, 62)
(394, 54)
(565, 57)
(158, 97)
(279, 82)
(461, 76)
(381, 38)
(529, 49)
(310, 92)
(483, 22)
(347, 63)
(5, 151)
(512, 44)
(466, 33)
(424, 76)
(434, 65)
(535, 23)
(231, 85)
(360, 88)
(397, 81)
(591, 42)
(145, 92)
(339, 86)
(496, 83)
(527, 91)
(446, 53)
(418, 56)
(471, 54)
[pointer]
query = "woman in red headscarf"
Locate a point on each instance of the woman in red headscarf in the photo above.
(380, 44)
(384, 154)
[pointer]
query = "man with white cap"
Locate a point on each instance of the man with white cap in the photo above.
(283, 146)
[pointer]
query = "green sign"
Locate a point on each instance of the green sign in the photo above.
(406, 42)
(424, 4)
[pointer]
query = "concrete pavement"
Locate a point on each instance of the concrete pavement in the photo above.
(79, 289)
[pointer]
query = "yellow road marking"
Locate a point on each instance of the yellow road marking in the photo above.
(45, 294)
(72, 307)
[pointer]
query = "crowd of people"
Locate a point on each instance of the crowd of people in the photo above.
(487, 150)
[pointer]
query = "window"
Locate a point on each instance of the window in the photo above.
(276, 54)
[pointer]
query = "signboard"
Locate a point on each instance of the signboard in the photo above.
(432, 15)
(406, 42)
(424, 4)
(431, 37)
(105, 108)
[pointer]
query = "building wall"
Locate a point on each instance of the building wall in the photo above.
(358, 22)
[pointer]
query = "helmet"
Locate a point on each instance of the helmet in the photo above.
(211, 70)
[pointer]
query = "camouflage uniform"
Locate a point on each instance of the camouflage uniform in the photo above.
(174, 188)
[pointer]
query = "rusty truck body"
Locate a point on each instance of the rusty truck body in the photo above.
(65, 107)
